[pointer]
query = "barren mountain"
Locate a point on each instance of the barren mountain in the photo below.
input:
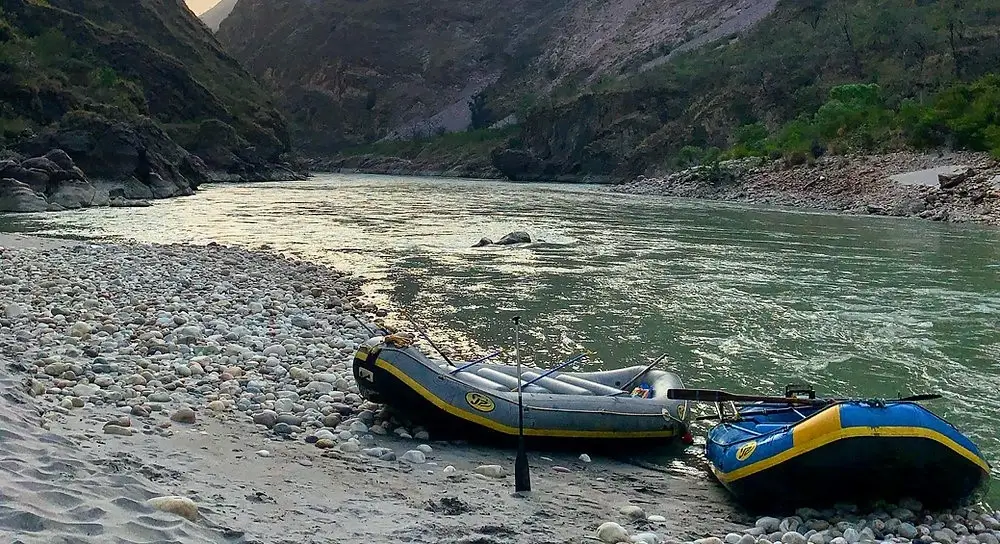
(214, 17)
(354, 72)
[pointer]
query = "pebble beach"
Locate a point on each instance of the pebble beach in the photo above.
(181, 393)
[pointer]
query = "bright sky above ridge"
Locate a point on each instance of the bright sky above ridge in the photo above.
(201, 6)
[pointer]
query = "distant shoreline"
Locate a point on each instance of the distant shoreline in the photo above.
(953, 187)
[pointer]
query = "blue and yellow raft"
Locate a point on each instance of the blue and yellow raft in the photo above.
(846, 451)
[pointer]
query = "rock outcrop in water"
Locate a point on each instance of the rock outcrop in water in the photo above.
(516, 237)
(137, 94)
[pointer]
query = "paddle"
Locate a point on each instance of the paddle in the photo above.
(522, 479)
(548, 372)
(428, 338)
(476, 362)
(711, 395)
(637, 376)
(366, 327)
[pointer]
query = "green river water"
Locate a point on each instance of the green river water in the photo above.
(741, 298)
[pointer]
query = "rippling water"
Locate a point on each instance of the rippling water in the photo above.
(741, 298)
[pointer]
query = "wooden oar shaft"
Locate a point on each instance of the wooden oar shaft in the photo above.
(711, 395)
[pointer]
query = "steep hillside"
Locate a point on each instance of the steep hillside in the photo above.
(130, 90)
(214, 17)
(353, 72)
(781, 70)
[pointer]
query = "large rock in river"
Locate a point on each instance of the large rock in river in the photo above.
(517, 237)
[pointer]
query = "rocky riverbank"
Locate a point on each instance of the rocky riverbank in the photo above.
(54, 181)
(205, 394)
(399, 166)
(222, 376)
(955, 187)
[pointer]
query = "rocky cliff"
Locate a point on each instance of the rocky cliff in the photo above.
(137, 95)
(777, 73)
(353, 72)
(214, 17)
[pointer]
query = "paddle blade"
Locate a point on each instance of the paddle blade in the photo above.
(522, 480)
(918, 398)
(711, 395)
(699, 395)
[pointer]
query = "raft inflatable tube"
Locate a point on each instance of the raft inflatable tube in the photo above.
(482, 398)
(853, 451)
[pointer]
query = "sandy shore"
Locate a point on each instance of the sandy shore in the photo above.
(118, 366)
(204, 394)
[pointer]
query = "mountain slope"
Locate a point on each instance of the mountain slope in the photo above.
(782, 69)
(353, 72)
(214, 17)
(147, 70)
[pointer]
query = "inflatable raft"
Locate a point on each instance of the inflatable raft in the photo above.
(847, 451)
(482, 398)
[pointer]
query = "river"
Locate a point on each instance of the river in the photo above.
(741, 298)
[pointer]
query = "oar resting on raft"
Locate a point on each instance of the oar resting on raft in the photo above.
(639, 375)
(549, 372)
(476, 362)
(711, 395)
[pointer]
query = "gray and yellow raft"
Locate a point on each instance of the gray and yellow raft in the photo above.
(482, 398)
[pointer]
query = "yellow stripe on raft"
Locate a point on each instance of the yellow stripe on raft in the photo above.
(506, 429)
(825, 428)
(816, 427)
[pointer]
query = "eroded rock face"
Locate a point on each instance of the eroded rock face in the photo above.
(135, 164)
(116, 151)
(16, 196)
(420, 67)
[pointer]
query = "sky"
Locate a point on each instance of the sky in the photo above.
(201, 6)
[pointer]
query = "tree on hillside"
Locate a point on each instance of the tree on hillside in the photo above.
(811, 11)
(956, 30)
(845, 23)
(480, 113)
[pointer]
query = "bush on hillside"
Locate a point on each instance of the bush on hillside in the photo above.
(855, 118)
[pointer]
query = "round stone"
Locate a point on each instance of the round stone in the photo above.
(632, 511)
(183, 415)
(610, 532)
(414, 456)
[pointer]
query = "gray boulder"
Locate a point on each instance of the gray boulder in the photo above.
(36, 178)
(16, 196)
(517, 237)
(483, 242)
(12, 170)
(43, 164)
(74, 194)
(126, 203)
(947, 181)
(61, 159)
